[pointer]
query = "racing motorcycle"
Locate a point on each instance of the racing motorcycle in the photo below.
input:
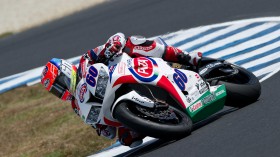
(156, 99)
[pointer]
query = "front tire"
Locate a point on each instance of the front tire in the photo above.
(125, 113)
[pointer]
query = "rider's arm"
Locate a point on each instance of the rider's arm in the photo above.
(115, 43)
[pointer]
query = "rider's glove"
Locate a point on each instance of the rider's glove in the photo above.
(114, 47)
(115, 43)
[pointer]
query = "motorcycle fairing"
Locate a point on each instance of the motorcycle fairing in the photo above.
(183, 85)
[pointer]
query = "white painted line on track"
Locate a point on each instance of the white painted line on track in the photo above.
(234, 38)
(272, 68)
(255, 52)
(262, 60)
(122, 149)
(272, 73)
(212, 36)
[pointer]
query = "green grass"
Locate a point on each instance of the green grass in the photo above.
(6, 34)
(35, 123)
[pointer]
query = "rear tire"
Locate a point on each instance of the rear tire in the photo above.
(124, 114)
(243, 89)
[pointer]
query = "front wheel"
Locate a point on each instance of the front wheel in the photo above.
(169, 123)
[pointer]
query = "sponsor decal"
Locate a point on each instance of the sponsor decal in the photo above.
(73, 80)
(195, 106)
(47, 83)
(66, 68)
(201, 87)
(136, 99)
(196, 94)
(197, 86)
(209, 66)
(220, 92)
(129, 63)
(148, 48)
(204, 89)
(203, 71)
(189, 100)
(83, 90)
(209, 98)
(121, 68)
(111, 71)
(202, 84)
(197, 76)
(143, 68)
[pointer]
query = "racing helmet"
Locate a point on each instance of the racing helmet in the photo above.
(59, 78)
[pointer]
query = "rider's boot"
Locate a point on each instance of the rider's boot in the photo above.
(189, 58)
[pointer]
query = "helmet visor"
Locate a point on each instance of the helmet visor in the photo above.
(57, 90)
(60, 86)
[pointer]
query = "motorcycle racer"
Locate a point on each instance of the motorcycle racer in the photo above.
(60, 77)
(134, 46)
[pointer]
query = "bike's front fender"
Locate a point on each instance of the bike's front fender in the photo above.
(133, 96)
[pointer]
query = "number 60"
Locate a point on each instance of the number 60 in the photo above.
(180, 79)
(92, 74)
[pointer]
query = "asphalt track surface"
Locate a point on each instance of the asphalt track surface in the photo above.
(73, 35)
(250, 131)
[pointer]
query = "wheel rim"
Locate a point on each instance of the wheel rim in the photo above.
(158, 115)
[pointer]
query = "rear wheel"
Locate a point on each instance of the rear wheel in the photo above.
(243, 88)
(167, 123)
